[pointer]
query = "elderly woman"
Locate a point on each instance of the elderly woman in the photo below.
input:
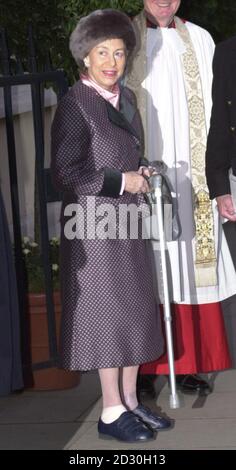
(110, 318)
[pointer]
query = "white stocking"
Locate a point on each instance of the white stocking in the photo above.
(112, 404)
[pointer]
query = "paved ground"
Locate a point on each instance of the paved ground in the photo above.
(68, 419)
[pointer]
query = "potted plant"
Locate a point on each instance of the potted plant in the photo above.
(51, 378)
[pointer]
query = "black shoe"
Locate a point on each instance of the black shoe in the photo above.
(155, 422)
(145, 386)
(127, 427)
(192, 383)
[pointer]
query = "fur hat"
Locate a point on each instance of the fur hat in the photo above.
(99, 26)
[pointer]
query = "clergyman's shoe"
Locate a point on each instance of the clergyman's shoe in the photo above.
(192, 383)
(145, 386)
(155, 422)
(127, 427)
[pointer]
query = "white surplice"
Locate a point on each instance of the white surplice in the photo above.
(168, 140)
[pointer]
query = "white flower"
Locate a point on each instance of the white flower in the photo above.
(33, 244)
(54, 240)
(26, 240)
(26, 251)
(55, 267)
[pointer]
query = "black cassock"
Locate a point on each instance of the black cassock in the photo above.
(10, 356)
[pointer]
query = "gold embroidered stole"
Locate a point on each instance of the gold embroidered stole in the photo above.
(205, 255)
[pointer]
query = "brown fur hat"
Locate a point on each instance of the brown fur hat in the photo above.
(99, 26)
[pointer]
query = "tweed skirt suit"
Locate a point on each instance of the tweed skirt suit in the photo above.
(110, 316)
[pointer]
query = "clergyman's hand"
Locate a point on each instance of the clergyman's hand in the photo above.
(226, 208)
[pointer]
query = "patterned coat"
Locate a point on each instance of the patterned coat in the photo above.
(110, 316)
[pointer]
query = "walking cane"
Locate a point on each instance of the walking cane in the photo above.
(155, 182)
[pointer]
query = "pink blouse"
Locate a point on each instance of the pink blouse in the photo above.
(112, 96)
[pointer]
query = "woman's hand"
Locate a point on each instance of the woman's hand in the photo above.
(146, 171)
(135, 183)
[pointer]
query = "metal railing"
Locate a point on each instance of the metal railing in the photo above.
(37, 81)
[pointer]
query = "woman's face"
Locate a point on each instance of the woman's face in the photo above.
(106, 62)
(162, 10)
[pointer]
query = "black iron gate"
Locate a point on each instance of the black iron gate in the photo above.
(37, 81)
